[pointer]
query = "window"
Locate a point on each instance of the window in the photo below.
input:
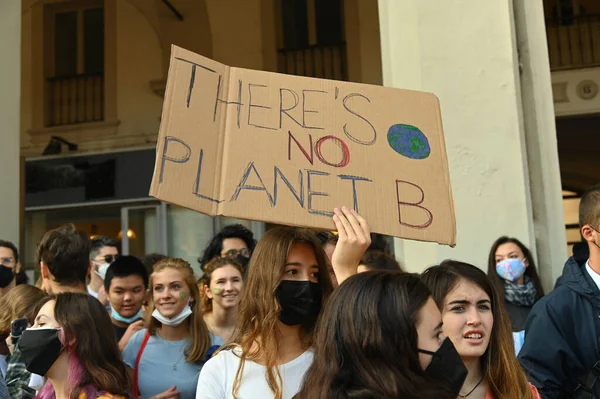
(328, 16)
(295, 24)
(74, 62)
(311, 23)
(312, 37)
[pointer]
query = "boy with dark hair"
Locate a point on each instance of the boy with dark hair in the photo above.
(126, 282)
(562, 333)
(9, 266)
(64, 258)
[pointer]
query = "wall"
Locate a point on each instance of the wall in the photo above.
(361, 23)
(541, 141)
(10, 77)
(133, 60)
(139, 61)
(236, 32)
(467, 56)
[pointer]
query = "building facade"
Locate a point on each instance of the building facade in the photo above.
(83, 82)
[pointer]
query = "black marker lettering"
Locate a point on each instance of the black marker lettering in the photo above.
(193, 77)
(243, 186)
(299, 194)
(197, 182)
(309, 111)
(250, 106)
(350, 136)
(238, 103)
(165, 158)
(354, 180)
(311, 193)
(285, 110)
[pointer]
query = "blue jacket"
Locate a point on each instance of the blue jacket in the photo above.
(561, 335)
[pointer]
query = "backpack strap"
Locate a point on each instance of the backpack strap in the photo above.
(585, 386)
(137, 365)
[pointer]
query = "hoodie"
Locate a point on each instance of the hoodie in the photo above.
(561, 335)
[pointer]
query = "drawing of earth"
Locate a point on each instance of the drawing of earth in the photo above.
(408, 141)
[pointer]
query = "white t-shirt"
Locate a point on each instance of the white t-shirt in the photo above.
(217, 375)
(595, 276)
(92, 292)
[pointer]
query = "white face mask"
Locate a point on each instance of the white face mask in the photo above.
(102, 269)
(175, 320)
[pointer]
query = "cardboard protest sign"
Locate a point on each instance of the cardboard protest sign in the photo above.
(288, 149)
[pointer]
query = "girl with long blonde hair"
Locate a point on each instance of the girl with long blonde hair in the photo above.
(286, 285)
(165, 359)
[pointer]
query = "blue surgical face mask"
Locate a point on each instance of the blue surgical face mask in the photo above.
(126, 320)
(511, 269)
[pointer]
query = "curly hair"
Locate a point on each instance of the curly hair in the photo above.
(215, 246)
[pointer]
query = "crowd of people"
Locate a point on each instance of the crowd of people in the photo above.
(299, 314)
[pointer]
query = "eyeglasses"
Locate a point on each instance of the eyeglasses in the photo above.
(7, 261)
(107, 259)
(245, 252)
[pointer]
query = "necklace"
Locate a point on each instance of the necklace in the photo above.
(471, 391)
(177, 361)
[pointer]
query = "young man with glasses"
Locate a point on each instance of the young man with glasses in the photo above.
(561, 353)
(104, 252)
(9, 266)
(234, 241)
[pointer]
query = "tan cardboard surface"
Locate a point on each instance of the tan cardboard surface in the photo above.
(288, 149)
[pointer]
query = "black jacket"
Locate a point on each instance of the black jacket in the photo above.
(561, 335)
(517, 314)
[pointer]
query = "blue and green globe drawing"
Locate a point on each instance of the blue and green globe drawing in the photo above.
(408, 141)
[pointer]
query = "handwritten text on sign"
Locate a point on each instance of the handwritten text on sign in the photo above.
(287, 149)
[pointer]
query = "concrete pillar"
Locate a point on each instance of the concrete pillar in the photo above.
(10, 115)
(466, 53)
(363, 53)
(540, 137)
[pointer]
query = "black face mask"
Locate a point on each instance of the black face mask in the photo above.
(243, 260)
(446, 367)
(40, 348)
(6, 276)
(300, 302)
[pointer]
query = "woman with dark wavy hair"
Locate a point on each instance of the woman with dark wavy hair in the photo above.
(71, 344)
(375, 339)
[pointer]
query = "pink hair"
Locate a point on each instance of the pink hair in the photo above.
(75, 376)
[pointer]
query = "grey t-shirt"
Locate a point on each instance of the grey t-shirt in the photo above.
(163, 365)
